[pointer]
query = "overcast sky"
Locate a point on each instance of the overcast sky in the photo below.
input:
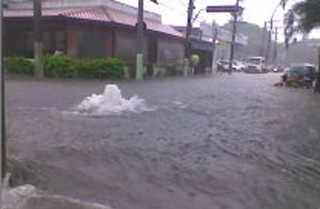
(174, 12)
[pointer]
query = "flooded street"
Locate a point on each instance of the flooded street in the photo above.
(215, 142)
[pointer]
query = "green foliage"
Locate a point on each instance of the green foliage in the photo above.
(18, 65)
(109, 68)
(84, 69)
(302, 17)
(66, 67)
(194, 60)
(59, 67)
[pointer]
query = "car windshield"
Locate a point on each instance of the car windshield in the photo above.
(255, 61)
(311, 69)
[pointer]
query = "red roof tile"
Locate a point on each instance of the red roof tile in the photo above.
(94, 13)
(105, 14)
(97, 13)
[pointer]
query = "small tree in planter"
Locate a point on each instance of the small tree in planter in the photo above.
(194, 61)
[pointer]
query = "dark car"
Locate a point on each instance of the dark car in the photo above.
(302, 74)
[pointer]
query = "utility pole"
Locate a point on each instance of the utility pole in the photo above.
(38, 39)
(140, 26)
(275, 49)
(234, 31)
(269, 41)
(215, 36)
(3, 143)
(187, 47)
(270, 32)
(140, 40)
(263, 39)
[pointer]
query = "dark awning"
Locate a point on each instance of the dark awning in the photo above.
(202, 45)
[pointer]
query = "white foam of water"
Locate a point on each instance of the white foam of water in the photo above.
(179, 104)
(111, 102)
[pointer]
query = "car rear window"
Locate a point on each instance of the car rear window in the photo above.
(302, 70)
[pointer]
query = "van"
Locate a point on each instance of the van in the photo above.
(255, 64)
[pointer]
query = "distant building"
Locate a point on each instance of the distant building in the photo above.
(95, 28)
(213, 42)
(223, 39)
(203, 48)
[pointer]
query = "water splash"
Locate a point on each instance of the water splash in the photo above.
(111, 102)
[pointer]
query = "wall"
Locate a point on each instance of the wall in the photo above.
(170, 52)
(18, 37)
(126, 46)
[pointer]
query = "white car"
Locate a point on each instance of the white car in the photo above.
(236, 65)
(255, 65)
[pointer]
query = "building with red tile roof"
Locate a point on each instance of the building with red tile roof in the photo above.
(95, 28)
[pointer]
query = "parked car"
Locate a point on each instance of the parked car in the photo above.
(238, 65)
(301, 75)
(278, 69)
(223, 65)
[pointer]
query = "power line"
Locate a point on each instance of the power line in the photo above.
(173, 9)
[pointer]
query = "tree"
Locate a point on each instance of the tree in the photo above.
(302, 17)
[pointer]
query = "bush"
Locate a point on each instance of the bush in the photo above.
(59, 67)
(194, 60)
(18, 65)
(109, 68)
(66, 67)
(84, 68)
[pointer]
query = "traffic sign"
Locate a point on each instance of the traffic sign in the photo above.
(225, 8)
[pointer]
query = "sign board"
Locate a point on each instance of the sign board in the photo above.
(225, 8)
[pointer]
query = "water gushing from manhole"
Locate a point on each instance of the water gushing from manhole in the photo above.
(111, 102)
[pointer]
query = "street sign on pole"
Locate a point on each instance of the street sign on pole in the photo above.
(234, 31)
(225, 8)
